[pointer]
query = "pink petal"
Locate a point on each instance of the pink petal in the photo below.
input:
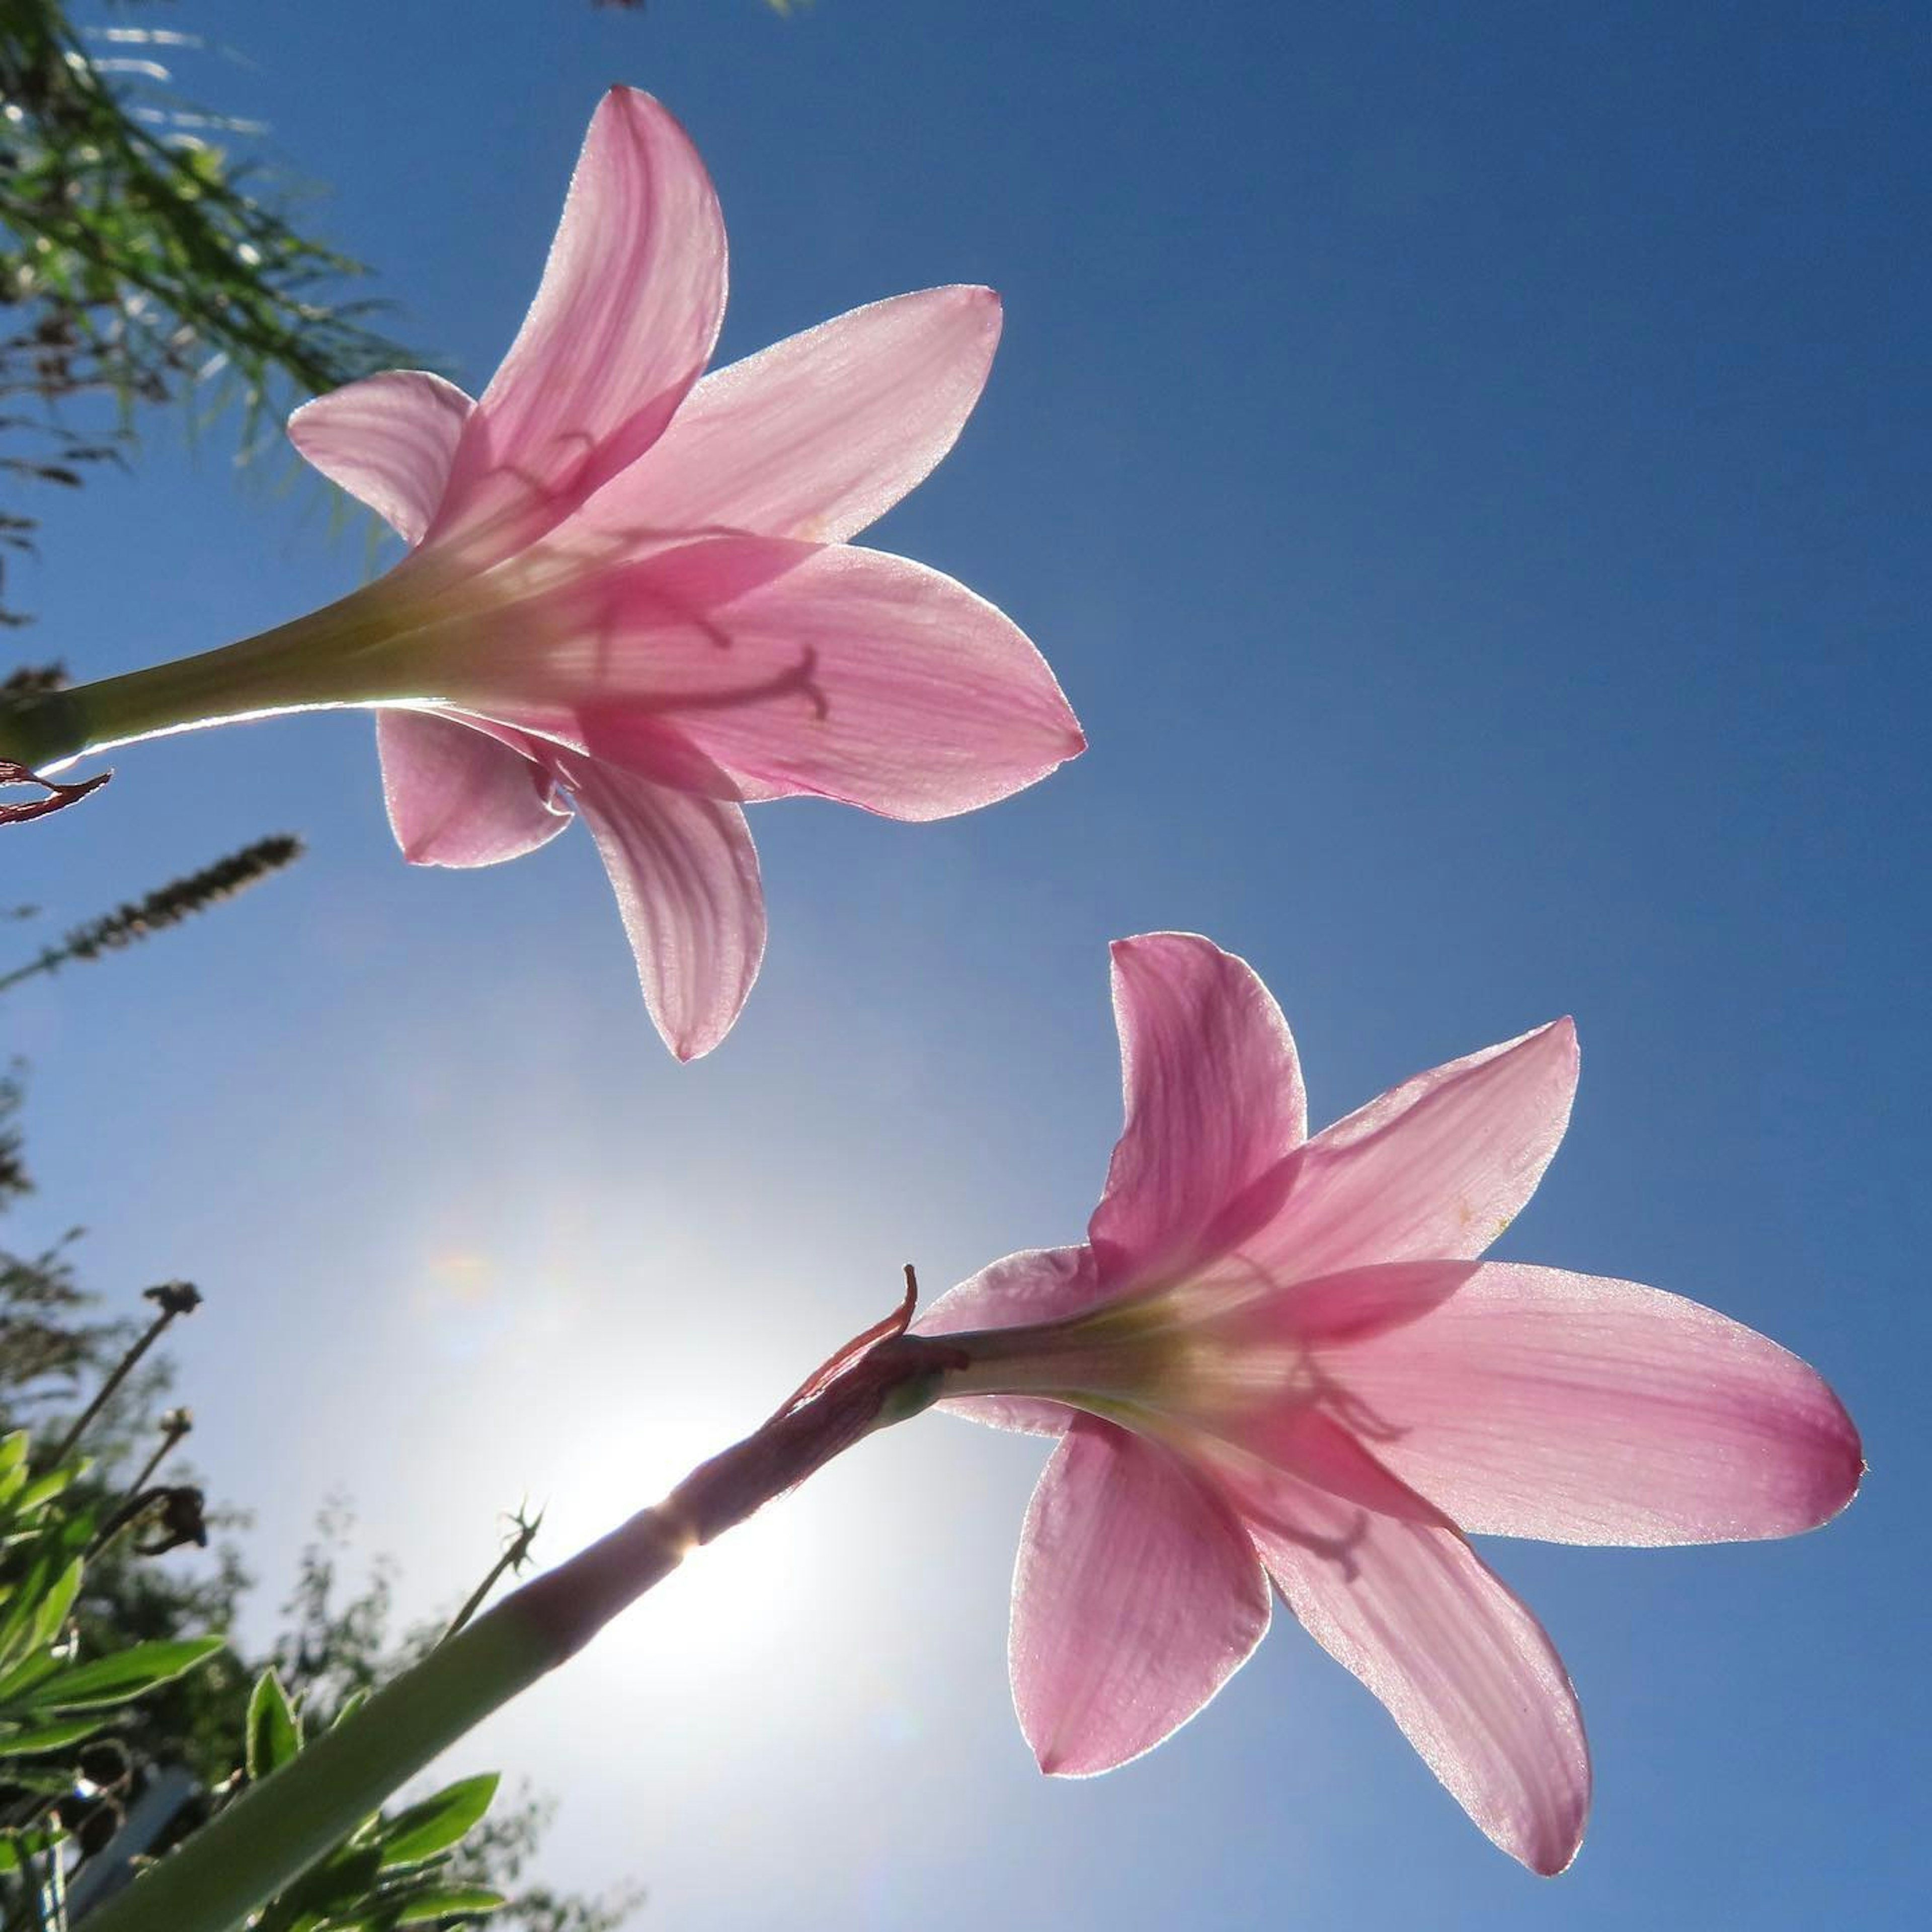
(790, 668)
(621, 327)
(1533, 1403)
(1400, 1598)
(1038, 1285)
(388, 440)
(1432, 1171)
(1214, 1105)
(456, 796)
(1136, 1596)
(686, 879)
(1324, 1314)
(819, 434)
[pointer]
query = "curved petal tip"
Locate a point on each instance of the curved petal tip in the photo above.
(1840, 1468)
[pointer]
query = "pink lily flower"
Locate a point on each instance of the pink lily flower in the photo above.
(630, 590)
(1278, 1359)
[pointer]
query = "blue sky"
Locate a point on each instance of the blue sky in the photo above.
(1466, 466)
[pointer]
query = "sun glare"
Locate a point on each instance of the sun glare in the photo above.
(724, 1605)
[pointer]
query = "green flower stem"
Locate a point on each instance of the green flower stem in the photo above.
(352, 652)
(279, 670)
(41, 730)
(277, 1829)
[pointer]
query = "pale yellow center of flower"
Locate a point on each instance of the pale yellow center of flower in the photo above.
(1188, 1361)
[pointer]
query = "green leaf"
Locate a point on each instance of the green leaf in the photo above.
(274, 1731)
(47, 1737)
(16, 1845)
(44, 1488)
(467, 1901)
(113, 1680)
(13, 1463)
(18, 1682)
(436, 1823)
(55, 1606)
(54, 1781)
(476, 1898)
(43, 1575)
(336, 1886)
(49, 1549)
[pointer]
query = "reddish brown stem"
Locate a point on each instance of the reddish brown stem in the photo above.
(58, 797)
(896, 1378)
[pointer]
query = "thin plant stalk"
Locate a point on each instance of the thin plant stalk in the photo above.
(277, 1829)
(516, 1552)
(174, 1298)
(168, 905)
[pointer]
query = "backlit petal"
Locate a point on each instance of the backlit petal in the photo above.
(1533, 1403)
(621, 327)
(1214, 1105)
(388, 440)
(457, 796)
(1403, 1601)
(1136, 1596)
(790, 668)
(1432, 1171)
(1336, 1309)
(686, 879)
(819, 434)
(1038, 1284)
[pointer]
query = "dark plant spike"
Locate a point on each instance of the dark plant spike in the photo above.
(182, 898)
(33, 681)
(168, 905)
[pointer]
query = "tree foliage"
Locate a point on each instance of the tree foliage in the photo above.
(146, 252)
(337, 1644)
